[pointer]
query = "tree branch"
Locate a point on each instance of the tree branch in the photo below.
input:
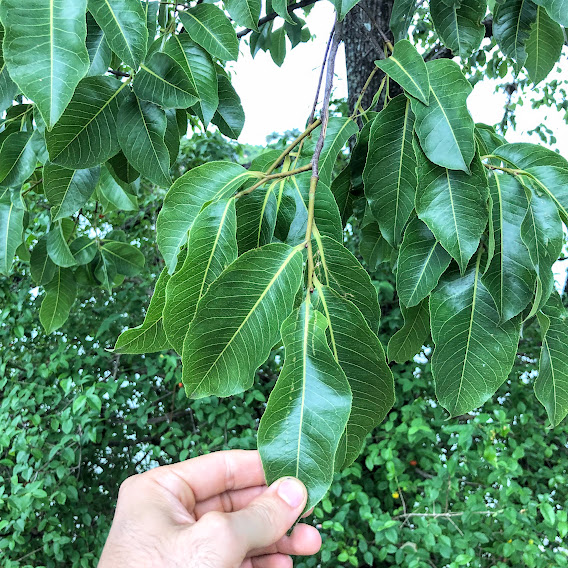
(273, 15)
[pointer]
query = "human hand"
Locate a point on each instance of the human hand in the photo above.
(213, 511)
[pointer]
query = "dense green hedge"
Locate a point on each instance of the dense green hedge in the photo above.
(487, 490)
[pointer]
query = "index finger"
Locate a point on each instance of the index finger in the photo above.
(215, 473)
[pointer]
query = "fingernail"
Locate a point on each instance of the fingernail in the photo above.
(292, 491)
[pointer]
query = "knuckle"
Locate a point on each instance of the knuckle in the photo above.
(128, 485)
(217, 523)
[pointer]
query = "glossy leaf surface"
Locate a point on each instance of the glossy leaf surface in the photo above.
(12, 211)
(409, 339)
(60, 294)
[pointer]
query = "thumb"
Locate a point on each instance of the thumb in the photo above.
(266, 519)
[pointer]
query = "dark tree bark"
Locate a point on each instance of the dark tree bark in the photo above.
(364, 44)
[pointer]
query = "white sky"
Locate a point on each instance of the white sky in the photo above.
(278, 99)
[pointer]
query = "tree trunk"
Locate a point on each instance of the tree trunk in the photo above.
(363, 45)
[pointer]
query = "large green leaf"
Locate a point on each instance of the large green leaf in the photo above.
(44, 49)
(510, 278)
(281, 8)
(148, 337)
(12, 210)
(186, 197)
(557, 10)
(208, 26)
(512, 21)
(244, 12)
(41, 266)
(278, 46)
(408, 69)
(256, 218)
(229, 116)
(551, 384)
(361, 356)
(83, 249)
(373, 247)
(541, 232)
(523, 156)
(401, 17)
(112, 195)
(308, 408)
(390, 172)
(163, 81)
(341, 190)
(128, 260)
(141, 127)
(68, 190)
(199, 68)
(8, 88)
(100, 53)
(543, 46)
(454, 206)
(445, 127)
(474, 353)
(124, 25)
(238, 321)
(85, 136)
(459, 25)
(421, 262)
(409, 339)
(18, 159)
(57, 245)
(342, 272)
(60, 294)
(212, 246)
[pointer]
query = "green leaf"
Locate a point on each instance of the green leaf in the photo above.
(524, 156)
(512, 21)
(208, 26)
(124, 25)
(228, 340)
(186, 197)
(548, 514)
(141, 127)
(68, 190)
(127, 259)
(60, 294)
(339, 131)
(113, 195)
(41, 266)
(245, 13)
(551, 384)
(421, 262)
(278, 46)
(83, 249)
(164, 82)
(8, 88)
(151, 10)
(199, 68)
(212, 248)
(541, 232)
(281, 8)
(18, 159)
(487, 139)
(85, 136)
(341, 190)
(337, 268)
(256, 218)
(230, 116)
(401, 17)
(342, 7)
(543, 46)
(172, 134)
(373, 247)
(308, 408)
(474, 353)
(57, 246)
(12, 211)
(453, 205)
(100, 53)
(459, 25)
(44, 49)
(409, 339)
(445, 128)
(557, 10)
(150, 336)
(510, 278)
(361, 356)
(122, 168)
(408, 69)
(390, 172)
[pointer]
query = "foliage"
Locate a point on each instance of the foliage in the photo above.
(255, 256)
